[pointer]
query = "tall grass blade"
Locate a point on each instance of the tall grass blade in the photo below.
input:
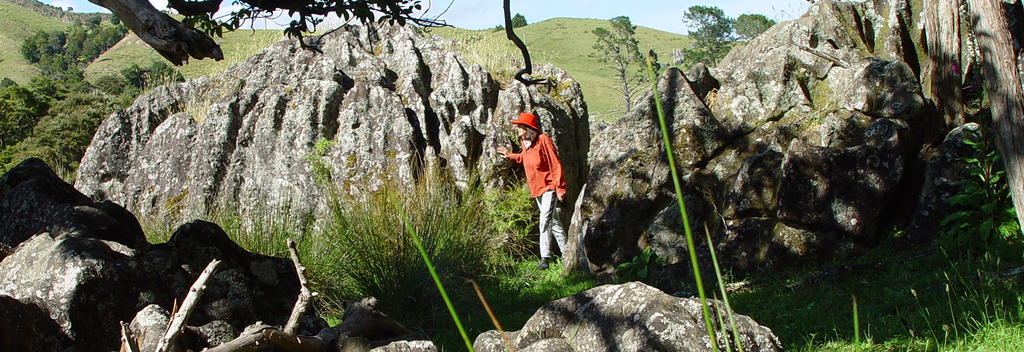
(490, 313)
(856, 324)
(682, 207)
(725, 296)
(437, 281)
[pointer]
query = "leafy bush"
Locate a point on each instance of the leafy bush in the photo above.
(986, 219)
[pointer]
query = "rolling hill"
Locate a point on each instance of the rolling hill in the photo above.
(563, 42)
(237, 46)
(17, 24)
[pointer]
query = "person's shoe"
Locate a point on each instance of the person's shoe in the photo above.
(543, 264)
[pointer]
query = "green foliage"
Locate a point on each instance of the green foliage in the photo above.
(638, 268)
(61, 137)
(712, 35)
(375, 255)
(58, 51)
(510, 213)
(749, 26)
(518, 21)
(986, 219)
(319, 167)
(157, 73)
(20, 109)
(918, 300)
(618, 49)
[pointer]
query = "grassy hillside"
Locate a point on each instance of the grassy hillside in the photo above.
(17, 24)
(563, 42)
(237, 46)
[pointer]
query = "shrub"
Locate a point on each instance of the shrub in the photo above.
(986, 219)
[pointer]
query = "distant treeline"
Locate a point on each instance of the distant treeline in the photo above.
(54, 115)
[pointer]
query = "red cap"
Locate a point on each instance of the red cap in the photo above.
(528, 119)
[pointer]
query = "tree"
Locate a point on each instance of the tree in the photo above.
(1003, 85)
(619, 51)
(20, 109)
(749, 26)
(518, 21)
(712, 35)
(176, 41)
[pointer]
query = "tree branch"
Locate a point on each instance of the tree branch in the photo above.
(528, 69)
(167, 36)
(302, 302)
(180, 317)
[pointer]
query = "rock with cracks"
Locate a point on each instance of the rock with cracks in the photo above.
(627, 317)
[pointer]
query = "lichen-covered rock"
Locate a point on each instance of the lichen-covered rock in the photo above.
(627, 317)
(34, 200)
(68, 290)
(789, 150)
(86, 286)
(383, 102)
(842, 189)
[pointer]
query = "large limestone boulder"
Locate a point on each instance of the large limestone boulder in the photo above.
(385, 104)
(794, 148)
(627, 317)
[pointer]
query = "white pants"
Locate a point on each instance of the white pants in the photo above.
(549, 224)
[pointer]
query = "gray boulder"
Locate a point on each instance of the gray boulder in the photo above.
(792, 149)
(34, 200)
(85, 286)
(627, 317)
(385, 104)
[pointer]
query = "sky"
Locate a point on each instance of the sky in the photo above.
(479, 14)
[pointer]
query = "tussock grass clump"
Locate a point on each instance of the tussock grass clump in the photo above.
(373, 254)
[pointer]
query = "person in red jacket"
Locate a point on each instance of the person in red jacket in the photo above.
(544, 178)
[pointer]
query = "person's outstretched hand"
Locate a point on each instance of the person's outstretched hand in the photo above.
(504, 152)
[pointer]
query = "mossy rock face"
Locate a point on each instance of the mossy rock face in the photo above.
(792, 145)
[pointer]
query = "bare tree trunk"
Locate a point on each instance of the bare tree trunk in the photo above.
(942, 25)
(169, 37)
(1003, 86)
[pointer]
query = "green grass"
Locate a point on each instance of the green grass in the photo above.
(18, 23)
(237, 46)
(920, 300)
(565, 43)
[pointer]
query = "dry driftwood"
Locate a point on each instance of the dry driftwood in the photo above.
(181, 316)
(360, 320)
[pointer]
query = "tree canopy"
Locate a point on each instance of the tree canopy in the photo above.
(712, 35)
(748, 26)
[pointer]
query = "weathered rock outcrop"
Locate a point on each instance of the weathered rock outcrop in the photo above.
(73, 278)
(388, 101)
(791, 149)
(627, 317)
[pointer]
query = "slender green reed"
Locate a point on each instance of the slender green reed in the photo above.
(682, 207)
(856, 324)
(725, 296)
(437, 281)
